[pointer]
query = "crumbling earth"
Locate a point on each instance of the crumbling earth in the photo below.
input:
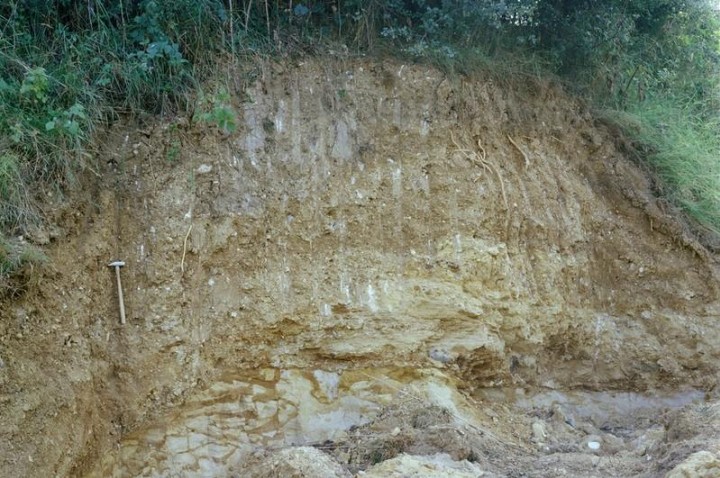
(383, 271)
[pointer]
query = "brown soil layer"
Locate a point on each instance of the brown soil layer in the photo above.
(363, 216)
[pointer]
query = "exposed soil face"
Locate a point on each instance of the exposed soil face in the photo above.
(369, 229)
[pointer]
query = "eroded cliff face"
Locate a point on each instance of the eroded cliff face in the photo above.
(367, 227)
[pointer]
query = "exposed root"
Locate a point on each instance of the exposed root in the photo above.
(525, 156)
(182, 262)
(481, 161)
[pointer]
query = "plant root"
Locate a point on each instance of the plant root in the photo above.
(481, 161)
(182, 262)
(525, 156)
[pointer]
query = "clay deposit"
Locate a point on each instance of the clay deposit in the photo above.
(383, 271)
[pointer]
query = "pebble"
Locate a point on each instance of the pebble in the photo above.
(593, 445)
(442, 356)
(539, 432)
(559, 415)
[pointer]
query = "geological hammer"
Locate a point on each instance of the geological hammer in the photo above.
(117, 265)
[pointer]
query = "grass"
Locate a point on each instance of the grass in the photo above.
(66, 71)
(683, 149)
(17, 260)
(14, 202)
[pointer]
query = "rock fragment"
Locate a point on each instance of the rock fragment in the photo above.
(297, 462)
(440, 465)
(701, 464)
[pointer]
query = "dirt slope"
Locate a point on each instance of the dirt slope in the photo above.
(365, 218)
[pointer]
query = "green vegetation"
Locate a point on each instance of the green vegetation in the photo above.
(217, 111)
(17, 260)
(652, 67)
(70, 66)
(683, 148)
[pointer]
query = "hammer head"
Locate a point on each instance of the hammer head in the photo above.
(116, 264)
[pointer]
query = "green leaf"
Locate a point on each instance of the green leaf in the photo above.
(73, 128)
(17, 133)
(5, 87)
(77, 110)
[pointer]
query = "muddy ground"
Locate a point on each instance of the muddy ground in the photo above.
(379, 267)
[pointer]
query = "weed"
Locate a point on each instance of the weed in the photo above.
(682, 148)
(173, 151)
(216, 110)
(15, 207)
(17, 259)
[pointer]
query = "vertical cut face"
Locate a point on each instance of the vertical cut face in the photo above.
(356, 223)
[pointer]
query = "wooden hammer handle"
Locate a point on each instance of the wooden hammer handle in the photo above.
(120, 296)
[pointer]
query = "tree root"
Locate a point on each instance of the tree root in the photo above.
(481, 161)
